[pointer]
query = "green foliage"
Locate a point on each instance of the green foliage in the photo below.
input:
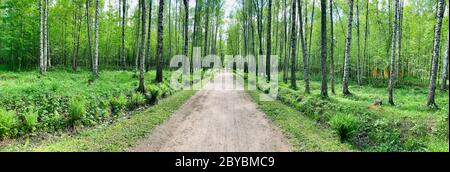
(303, 133)
(166, 90)
(118, 104)
(115, 137)
(345, 125)
(30, 120)
(63, 98)
(77, 109)
(409, 126)
(52, 122)
(155, 93)
(7, 122)
(136, 100)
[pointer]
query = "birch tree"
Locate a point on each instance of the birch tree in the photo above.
(41, 39)
(348, 42)
(434, 66)
(141, 87)
(159, 60)
(124, 6)
(95, 65)
(303, 46)
(393, 48)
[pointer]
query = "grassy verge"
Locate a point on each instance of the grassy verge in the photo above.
(116, 137)
(303, 133)
(34, 105)
(357, 121)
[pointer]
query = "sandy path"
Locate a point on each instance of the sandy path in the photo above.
(216, 121)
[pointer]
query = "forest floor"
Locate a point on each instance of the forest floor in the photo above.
(214, 120)
(217, 119)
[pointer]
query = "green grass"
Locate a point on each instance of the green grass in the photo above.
(303, 133)
(116, 137)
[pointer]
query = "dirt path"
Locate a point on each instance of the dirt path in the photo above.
(216, 121)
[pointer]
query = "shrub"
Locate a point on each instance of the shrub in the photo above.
(165, 90)
(118, 104)
(30, 120)
(77, 109)
(345, 125)
(52, 122)
(136, 100)
(7, 122)
(155, 93)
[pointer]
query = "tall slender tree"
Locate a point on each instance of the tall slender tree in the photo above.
(259, 5)
(149, 30)
(332, 48)
(303, 46)
(124, 7)
(186, 31)
(88, 28)
(348, 42)
(159, 52)
(269, 39)
(284, 51)
(77, 30)
(400, 36)
(311, 28)
(358, 58)
(205, 51)
(138, 43)
(41, 34)
(366, 35)
(194, 35)
(393, 48)
(293, 45)
(142, 56)
(169, 25)
(324, 87)
(45, 35)
(437, 42)
(95, 65)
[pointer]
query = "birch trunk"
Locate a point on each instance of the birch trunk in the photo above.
(142, 50)
(434, 67)
(123, 33)
(393, 48)
(41, 39)
(348, 42)
(159, 74)
(95, 62)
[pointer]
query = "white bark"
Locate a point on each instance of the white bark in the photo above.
(348, 42)
(45, 36)
(95, 65)
(436, 47)
(393, 48)
(41, 40)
